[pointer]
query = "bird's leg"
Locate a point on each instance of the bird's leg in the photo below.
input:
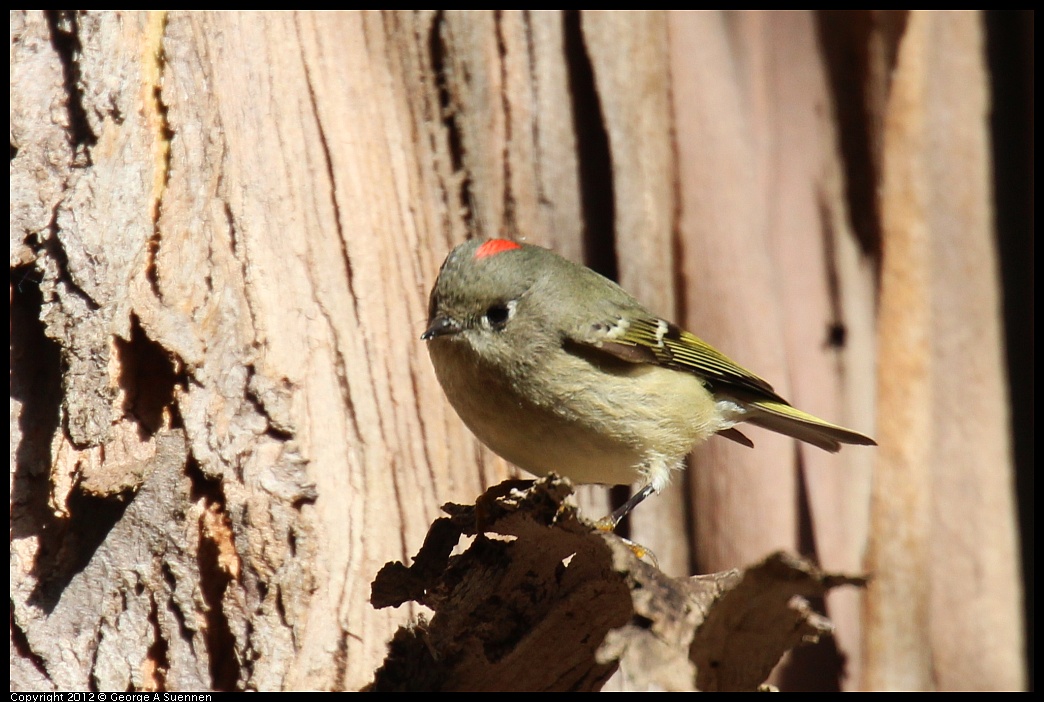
(609, 522)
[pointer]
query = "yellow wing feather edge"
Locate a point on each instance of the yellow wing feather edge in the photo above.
(673, 347)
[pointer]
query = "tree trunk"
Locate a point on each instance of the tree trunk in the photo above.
(224, 228)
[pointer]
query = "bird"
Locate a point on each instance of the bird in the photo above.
(558, 369)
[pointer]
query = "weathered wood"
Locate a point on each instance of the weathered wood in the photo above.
(540, 600)
(223, 232)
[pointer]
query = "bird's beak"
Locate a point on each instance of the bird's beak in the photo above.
(440, 326)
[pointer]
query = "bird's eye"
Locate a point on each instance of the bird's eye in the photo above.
(498, 314)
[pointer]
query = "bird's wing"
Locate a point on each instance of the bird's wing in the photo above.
(648, 339)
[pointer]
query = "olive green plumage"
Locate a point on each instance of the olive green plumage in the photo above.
(556, 368)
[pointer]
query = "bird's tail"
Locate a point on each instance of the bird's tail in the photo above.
(781, 417)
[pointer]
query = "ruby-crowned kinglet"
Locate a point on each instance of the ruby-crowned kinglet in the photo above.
(558, 369)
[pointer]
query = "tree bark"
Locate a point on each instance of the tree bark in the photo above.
(224, 228)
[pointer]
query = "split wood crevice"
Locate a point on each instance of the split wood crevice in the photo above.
(541, 600)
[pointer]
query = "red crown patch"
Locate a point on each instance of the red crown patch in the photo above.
(495, 246)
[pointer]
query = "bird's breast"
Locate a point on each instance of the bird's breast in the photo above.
(568, 415)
